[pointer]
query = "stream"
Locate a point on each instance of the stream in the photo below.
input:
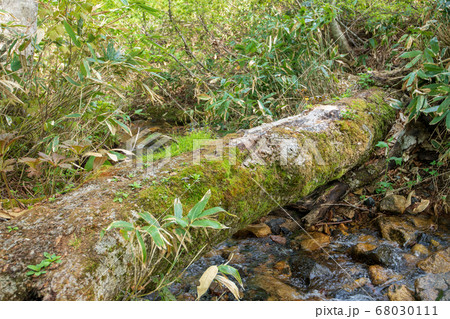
(354, 262)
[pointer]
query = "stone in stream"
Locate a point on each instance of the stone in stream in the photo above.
(277, 289)
(437, 263)
(311, 241)
(394, 204)
(378, 275)
(307, 269)
(258, 230)
(274, 225)
(433, 287)
(396, 229)
(400, 293)
(420, 250)
(384, 255)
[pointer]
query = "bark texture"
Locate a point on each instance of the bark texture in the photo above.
(249, 174)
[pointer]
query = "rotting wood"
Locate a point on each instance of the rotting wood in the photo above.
(274, 164)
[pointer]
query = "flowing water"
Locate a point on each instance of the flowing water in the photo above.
(274, 271)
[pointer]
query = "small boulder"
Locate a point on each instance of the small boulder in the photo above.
(359, 250)
(307, 269)
(282, 269)
(258, 230)
(274, 225)
(420, 250)
(278, 239)
(395, 229)
(394, 204)
(400, 293)
(433, 287)
(277, 289)
(378, 275)
(437, 263)
(355, 284)
(312, 241)
(384, 255)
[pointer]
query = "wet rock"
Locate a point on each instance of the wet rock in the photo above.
(277, 289)
(311, 241)
(258, 230)
(411, 260)
(399, 293)
(278, 239)
(307, 269)
(369, 202)
(359, 251)
(393, 204)
(422, 222)
(274, 225)
(282, 269)
(378, 275)
(433, 287)
(437, 263)
(420, 250)
(355, 284)
(395, 229)
(383, 255)
(290, 225)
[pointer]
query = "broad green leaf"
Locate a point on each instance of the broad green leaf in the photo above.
(142, 246)
(207, 223)
(411, 54)
(381, 144)
(434, 44)
(205, 280)
(228, 270)
(413, 62)
(121, 224)
(71, 34)
(211, 211)
(123, 126)
(71, 81)
(177, 208)
(155, 235)
(73, 116)
(198, 208)
(149, 218)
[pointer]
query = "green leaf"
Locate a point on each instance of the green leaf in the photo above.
(71, 34)
(434, 44)
(177, 208)
(207, 223)
(16, 65)
(228, 270)
(447, 121)
(155, 235)
(413, 62)
(381, 144)
(198, 208)
(437, 119)
(123, 126)
(71, 81)
(124, 2)
(411, 54)
(211, 211)
(142, 246)
(149, 218)
(121, 224)
(150, 10)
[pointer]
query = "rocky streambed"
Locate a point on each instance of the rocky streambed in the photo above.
(386, 257)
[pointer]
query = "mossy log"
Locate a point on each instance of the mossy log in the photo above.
(254, 172)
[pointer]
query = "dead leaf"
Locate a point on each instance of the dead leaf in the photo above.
(421, 207)
(409, 199)
(205, 280)
(231, 286)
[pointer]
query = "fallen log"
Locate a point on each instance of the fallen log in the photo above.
(249, 174)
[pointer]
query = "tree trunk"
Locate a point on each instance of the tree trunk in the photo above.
(249, 174)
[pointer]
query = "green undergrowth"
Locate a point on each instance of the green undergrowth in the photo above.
(182, 144)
